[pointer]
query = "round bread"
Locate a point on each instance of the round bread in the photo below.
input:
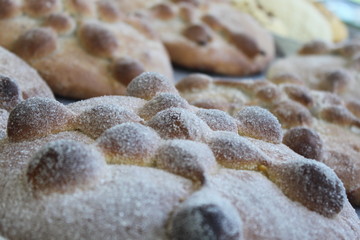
(136, 182)
(82, 48)
(316, 124)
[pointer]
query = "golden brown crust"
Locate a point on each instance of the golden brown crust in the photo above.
(81, 41)
(36, 43)
(126, 69)
(60, 22)
(97, 40)
(203, 37)
(41, 7)
(8, 8)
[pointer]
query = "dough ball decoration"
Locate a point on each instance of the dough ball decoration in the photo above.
(60, 22)
(305, 142)
(237, 152)
(339, 115)
(206, 215)
(36, 43)
(299, 94)
(37, 117)
(148, 84)
(292, 114)
(317, 186)
(97, 39)
(64, 166)
(8, 9)
(195, 81)
(10, 93)
(218, 120)
(161, 102)
(179, 123)
(126, 69)
(315, 47)
(94, 121)
(129, 143)
(259, 123)
(193, 160)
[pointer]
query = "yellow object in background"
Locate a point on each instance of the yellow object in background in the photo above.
(300, 20)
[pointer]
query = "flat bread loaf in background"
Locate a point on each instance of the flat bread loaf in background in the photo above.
(82, 48)
(300, 20)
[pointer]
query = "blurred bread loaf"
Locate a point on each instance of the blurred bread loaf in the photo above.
(82, 48)
(300, 20)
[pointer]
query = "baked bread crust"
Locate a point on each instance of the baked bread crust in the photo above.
(82, 48)
(316, 124)
(163, 183)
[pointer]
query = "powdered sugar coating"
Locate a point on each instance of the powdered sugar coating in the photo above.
(129, 143)
(64, 166)
(312, 183)
(4, 115)
(129, 103)
(179, 123)
(186, 158)
(218, 120)
(130, 202)
(259, 123)
(267, 213)
(37, 117)
(234, 151)
(206, 215)
(94, 121)
(161, 102)
(148, 84)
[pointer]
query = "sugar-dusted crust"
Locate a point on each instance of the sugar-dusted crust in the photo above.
(26, 79)
(324, 66)
(169, 177)
(82, 48)
(316, 124)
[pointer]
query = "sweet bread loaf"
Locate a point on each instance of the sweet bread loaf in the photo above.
(286, 19)
(316, 124)
(211, 36)
(170, 176)
(82, 48)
